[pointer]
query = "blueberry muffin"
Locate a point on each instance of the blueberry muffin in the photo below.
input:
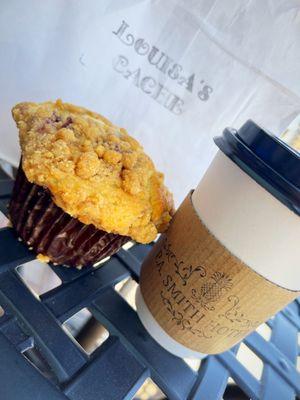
(84, 186)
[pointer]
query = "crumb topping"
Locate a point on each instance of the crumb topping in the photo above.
(42, 258)
(94, 170)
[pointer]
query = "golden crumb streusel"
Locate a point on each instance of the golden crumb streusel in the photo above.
(94, 170)
(42, 258)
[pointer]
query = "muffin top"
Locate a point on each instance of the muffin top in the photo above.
(94, 170)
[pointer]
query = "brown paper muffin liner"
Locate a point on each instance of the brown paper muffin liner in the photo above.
(50, 231)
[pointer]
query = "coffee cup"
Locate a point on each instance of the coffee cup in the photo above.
(230, 258)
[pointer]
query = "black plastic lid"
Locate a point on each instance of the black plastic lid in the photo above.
(267, 159)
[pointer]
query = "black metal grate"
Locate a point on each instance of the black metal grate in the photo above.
(129, 356)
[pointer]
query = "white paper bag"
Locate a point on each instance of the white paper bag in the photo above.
(173, 73)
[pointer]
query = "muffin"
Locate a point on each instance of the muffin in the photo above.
(84, 186)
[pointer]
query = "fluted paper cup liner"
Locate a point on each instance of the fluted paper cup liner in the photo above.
(50, 231)
(199, 296)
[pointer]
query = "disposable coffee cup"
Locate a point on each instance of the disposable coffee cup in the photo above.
(230, 258)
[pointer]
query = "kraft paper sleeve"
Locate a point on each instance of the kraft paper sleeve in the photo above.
(201, 294)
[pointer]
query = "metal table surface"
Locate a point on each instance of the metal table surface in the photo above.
(118, 368)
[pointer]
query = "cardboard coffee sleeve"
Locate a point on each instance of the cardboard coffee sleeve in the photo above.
(203, 296)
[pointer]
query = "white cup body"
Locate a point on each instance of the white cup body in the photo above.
(250, 222)
(155, 330)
